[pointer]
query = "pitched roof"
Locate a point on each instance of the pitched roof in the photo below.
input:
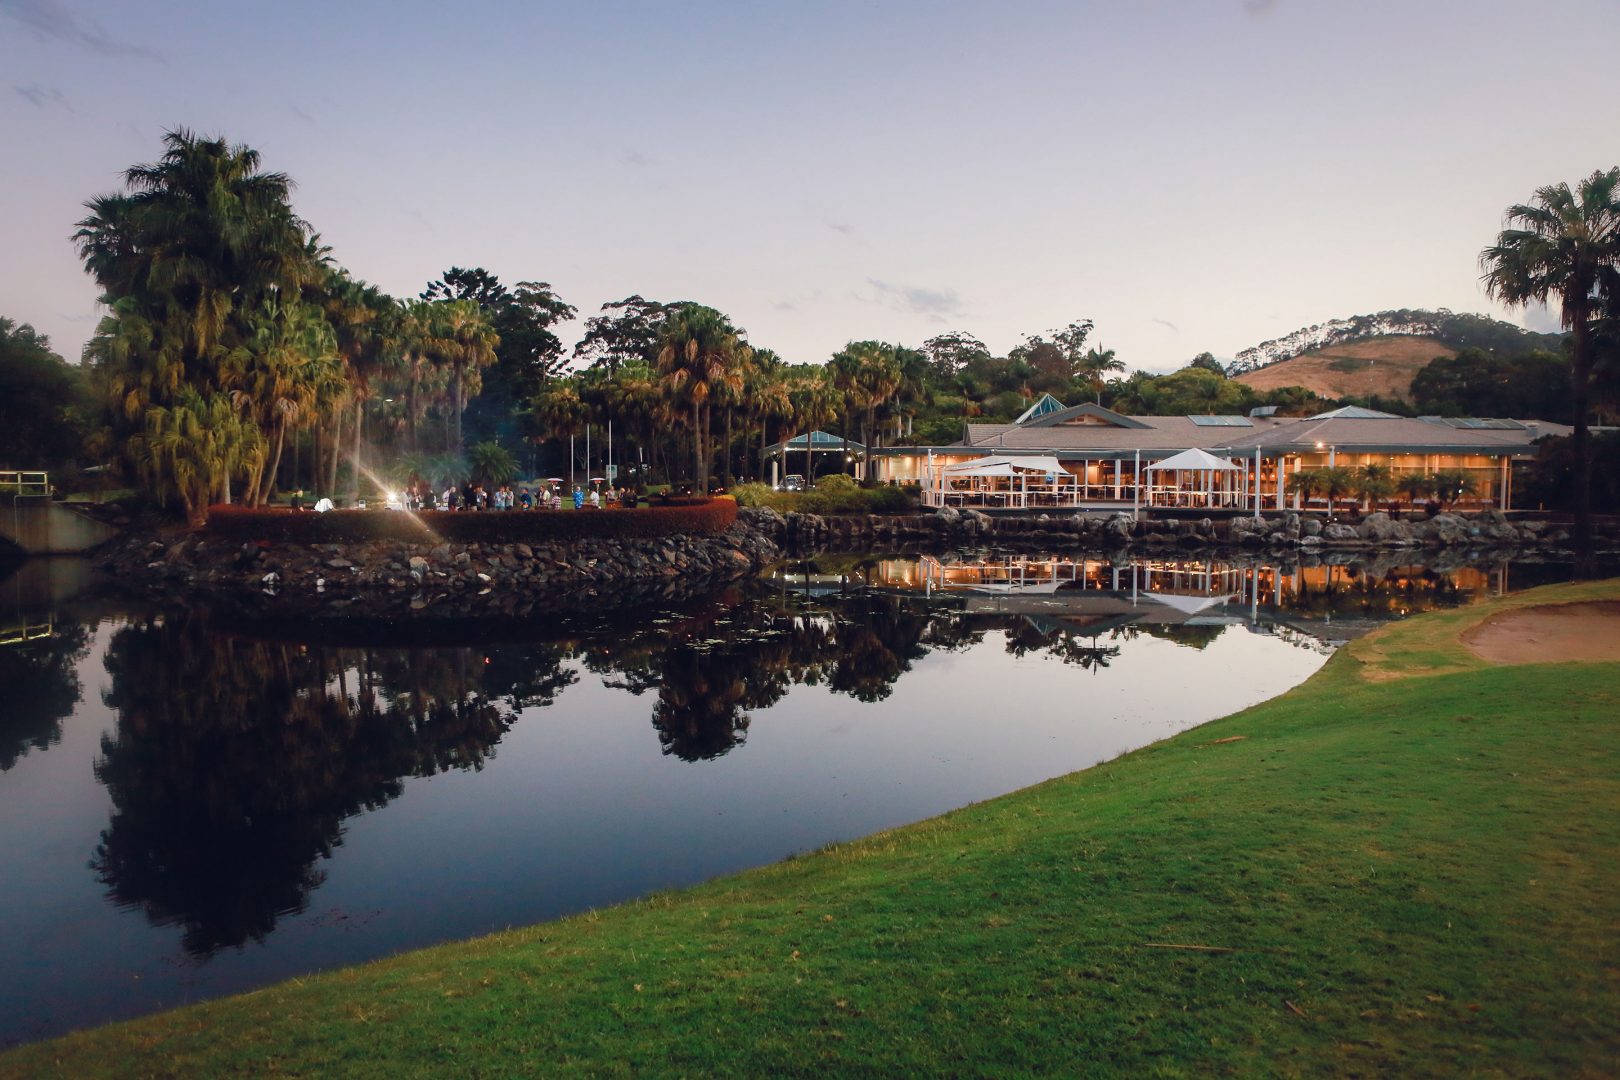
(1395, 434)
(1096, 414)
(819, 440)
(1046, 404)
(1355, 412)
(1155, 436)
(1194, 460)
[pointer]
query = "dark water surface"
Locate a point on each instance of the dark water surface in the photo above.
(190, 807)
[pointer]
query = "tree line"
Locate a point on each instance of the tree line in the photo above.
(238, 360)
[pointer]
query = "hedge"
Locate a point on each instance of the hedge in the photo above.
(489, 526)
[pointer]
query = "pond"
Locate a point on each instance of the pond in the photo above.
(194, 806)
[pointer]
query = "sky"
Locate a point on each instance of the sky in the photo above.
(1192, 176)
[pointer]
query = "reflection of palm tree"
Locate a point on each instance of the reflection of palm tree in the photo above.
(233, 765)
(699, 715)
(42, 687)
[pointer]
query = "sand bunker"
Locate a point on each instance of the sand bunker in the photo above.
(1549, 634)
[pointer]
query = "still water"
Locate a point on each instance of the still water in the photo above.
(190, 807)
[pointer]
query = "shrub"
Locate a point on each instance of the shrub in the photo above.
(836, 494)
(755, 495)
(496, 527)
(837, 486)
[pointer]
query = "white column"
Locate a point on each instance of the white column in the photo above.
(1136, 487)
(1257, 483)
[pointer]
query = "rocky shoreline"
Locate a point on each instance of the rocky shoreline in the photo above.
(392, 578)
(383, 577)
(1291, 532)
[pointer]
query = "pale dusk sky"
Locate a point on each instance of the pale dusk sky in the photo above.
(1191, 176)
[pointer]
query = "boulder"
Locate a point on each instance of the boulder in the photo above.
(1339, 532)
(1310, 527)
(1449, 529)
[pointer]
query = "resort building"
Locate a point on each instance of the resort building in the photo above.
(1086, 456)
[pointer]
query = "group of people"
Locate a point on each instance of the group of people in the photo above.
(420, 495)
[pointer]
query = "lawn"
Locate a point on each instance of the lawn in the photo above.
(1405, 867)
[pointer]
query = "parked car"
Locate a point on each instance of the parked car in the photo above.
(793, 482)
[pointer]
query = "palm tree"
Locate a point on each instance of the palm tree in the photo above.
(1564, 244)
(191, 448)
(282, 375)
(1373, 482)
(867, 374)
(1415, 486)
(1337, 482)
(462, 337)
(368, 328)
(185, 257)
(915, 390)
(1307, 484)
(1095, 365)
(699, 355)
(492, 462)
(770, 401)
(1450, 485)
(815, 402)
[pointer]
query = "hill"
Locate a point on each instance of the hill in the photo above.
(1384, 366)
(1377, 353)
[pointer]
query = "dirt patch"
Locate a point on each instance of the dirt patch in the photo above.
(1549, 634)
(1383, 366)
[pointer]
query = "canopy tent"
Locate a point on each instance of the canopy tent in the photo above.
(1193, 460)
(1007, 466)
(1016, 481)
(1194, 478)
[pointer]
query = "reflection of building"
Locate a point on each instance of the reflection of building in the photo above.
(1094, 596)
(1091, 456)
(1089, 596)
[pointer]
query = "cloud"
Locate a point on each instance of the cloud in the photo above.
(637, 159)
(1174, 329)
(43, 97)
(1258, 8)
(785, 305)
(1542, 319)
(50, 19)
(937, 304)
(302, 115)
(842, 227)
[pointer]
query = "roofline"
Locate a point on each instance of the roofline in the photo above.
(1151, 453)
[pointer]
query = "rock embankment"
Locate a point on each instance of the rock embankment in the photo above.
(384, 576)
(1286, 532)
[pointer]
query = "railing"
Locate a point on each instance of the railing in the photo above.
(25, 632)
(25, 483)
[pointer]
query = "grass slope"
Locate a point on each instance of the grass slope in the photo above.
(1406, 866)
(1383, 366)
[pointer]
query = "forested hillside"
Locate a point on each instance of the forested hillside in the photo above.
(1446, 327)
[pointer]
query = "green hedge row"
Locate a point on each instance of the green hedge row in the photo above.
(490, 526)
(835, 494)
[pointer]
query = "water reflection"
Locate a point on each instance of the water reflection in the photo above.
(41, 684)
(233, 763)
(236, 766)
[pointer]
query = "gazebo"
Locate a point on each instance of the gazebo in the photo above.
(1194, 478)
(815, 442)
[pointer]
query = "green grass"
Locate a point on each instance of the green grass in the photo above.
(1406, 866)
